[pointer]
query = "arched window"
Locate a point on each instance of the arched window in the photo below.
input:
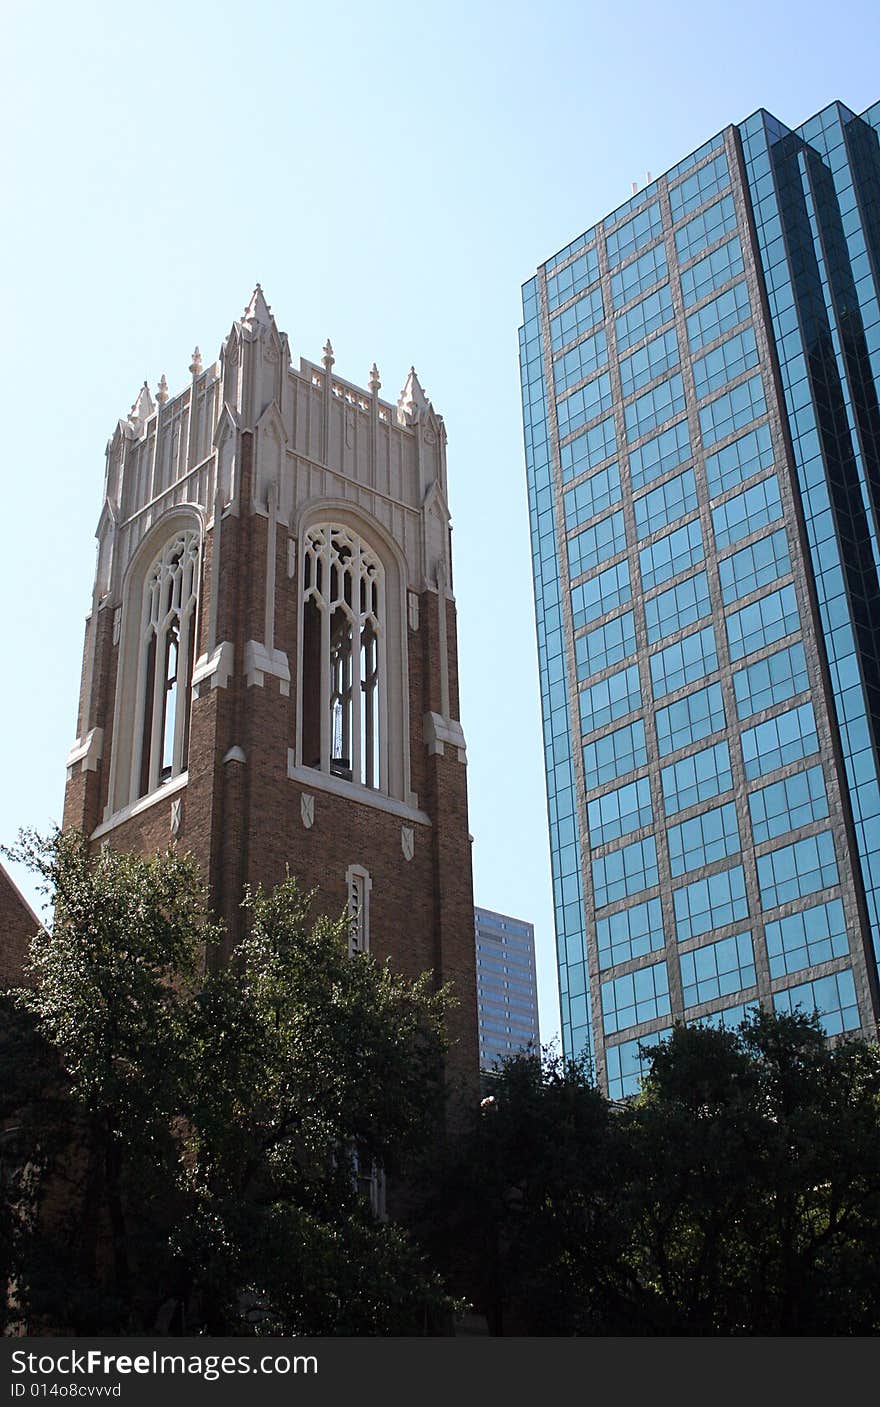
(344, 670)
(167, 646)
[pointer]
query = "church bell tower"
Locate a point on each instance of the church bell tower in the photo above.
(270, 668)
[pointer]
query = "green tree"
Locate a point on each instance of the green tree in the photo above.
(34, 1130)
(523, 1222)
(739, 1193)
(111, 984)
(211, 1127)
(316, 1072)
(753, 1183)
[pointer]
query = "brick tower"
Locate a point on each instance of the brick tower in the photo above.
(270, 667)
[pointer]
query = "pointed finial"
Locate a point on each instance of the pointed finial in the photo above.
(258, 310)
(328, 357)
(143, 406)
(162, 392)
(375, 383)
(196, 363)
(412, 400)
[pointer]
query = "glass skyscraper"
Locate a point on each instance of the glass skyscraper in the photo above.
(700, 377)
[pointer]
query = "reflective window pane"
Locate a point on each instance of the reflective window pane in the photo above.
(711, 836)
(833, 997)
(787, 805)
(638, 996)
(717, 969)
(806, 938)
(697, 777)
(690, 719)
(797, 869)
(683, 662)
(709, 903)
(630, 933)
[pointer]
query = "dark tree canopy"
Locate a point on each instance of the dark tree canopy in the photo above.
(761, 1212)
(739, 1193)
(520, 1221)
(187, 1147)
(194, 1153)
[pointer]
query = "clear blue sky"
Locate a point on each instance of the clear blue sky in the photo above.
(391, 174)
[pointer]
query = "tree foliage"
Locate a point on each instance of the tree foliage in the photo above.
(519, 1223)
(198, 1145)
(739, 1193)
(756, 1208)
(312, 1067)
(186, 1146)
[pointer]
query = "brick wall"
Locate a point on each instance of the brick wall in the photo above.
(18, 924)
(243, 819)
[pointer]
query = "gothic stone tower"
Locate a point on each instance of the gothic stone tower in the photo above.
(270, 669)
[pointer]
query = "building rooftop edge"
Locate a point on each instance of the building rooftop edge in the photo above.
(495, 913)
(584, 237)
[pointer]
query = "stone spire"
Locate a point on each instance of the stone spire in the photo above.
(412, 400)
(162, 393)
(328, 357)
(196, 363)
(257, 311)
(143, 407)
(375, 383)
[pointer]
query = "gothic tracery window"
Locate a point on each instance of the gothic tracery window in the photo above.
(343, 660)
(167, 650)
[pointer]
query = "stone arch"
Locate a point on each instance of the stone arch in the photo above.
(388, 581)
(161, 595)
